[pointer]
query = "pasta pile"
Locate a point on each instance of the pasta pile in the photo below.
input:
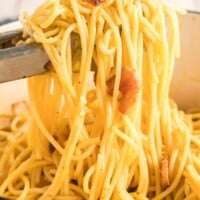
(101, 124)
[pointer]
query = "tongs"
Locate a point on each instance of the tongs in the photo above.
(21, 61)
(30, 59)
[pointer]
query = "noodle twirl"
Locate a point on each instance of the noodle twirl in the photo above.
(101, 124)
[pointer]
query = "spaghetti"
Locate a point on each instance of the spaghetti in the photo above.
(101, 124)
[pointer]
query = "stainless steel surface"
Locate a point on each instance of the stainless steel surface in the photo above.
(6, 36)
(22, 61)
(185, 85)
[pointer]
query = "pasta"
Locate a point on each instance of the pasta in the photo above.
(101, 124)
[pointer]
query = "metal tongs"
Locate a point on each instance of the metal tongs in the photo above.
(22, 61)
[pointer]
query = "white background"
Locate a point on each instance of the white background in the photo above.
(13, 8)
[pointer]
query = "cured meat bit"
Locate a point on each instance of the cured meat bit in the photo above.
(20, 107)
(98, 2)
(129, 87)
(164, 172)
(95, 2)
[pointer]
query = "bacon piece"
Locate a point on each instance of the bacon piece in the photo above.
(164, 172)
(129, 87)
(95, 2)
(98, 2)
(20, 107)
